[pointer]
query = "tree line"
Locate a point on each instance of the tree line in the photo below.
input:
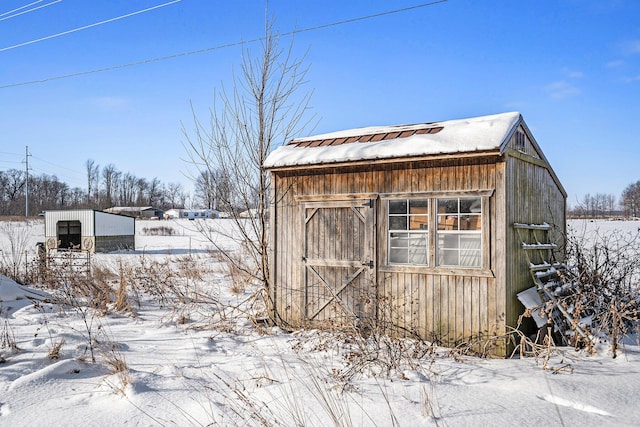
(602, 205)
(106, 187)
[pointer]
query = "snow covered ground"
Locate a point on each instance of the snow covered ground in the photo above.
(184, 363)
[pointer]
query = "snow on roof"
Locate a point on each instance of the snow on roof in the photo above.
(484, 133)
(129, 208)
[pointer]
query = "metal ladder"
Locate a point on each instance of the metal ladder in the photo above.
(544, 269)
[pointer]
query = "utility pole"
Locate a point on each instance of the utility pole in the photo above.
(26, 187)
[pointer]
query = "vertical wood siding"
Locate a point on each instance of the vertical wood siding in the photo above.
(532, 198)
(445, 307)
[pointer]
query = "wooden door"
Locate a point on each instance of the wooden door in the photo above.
(339, 262)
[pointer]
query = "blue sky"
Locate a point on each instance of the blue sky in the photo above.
(571, 67)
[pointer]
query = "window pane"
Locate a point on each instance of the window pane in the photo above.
(447, 222)
(398, 256)
(459, 240)
(470, 250)
(418, 206)
(448, 257)
(397, 206)
(471, 205)
(449, 241)
(447, 206)
(419, 222)
(412, 245)
(398, 240)
(397, 223)
(418, 256)
(418, 249)
(474, 222)
(470, 258)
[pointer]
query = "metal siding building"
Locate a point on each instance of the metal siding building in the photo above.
(88, 230)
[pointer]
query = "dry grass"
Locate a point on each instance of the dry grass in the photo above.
(7, 337)
(122, 297)
(118, 368)
(54, 350)
(239, 268)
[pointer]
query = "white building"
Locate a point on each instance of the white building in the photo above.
(191, 214)
(89, 230)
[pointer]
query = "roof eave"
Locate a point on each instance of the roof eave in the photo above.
(389, 160)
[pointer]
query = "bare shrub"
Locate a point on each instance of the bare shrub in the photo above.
(7, 337)
(381, 354)
(102, 274)
(600, 288)
(375, 353)
(239, 268)
(54, 350)
(162, 230)
(156, 279)
(188, 268)
(13, 262)
(85, 297)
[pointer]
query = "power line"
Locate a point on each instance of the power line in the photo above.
(21, 7)
(209, 49)
(27, 11)
(88, 26)
(57, 165)
(72, 181)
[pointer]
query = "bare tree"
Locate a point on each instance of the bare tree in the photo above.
(93, 176)
(212, 187)
(127, 189)
(154, 193)
(263, 110)
(174, 195)
(630, 200)
(142, 187)
(599, 205)
(110, 177)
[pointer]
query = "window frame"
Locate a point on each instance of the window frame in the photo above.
(432, 266)
(443, 234)
(410, 234)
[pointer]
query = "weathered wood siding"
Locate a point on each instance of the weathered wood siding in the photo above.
(533, 196)
(448, 306)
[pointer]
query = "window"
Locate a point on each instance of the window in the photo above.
(408, 228)
(520, 140)
(459, 233)
(69, 234)
(437, 230)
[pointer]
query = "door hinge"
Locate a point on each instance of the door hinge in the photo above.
(369, 264)
(304, 258)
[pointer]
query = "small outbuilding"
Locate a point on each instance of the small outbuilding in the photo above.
(418, 228)
(88, 230)
(176, 213)
(142, 212)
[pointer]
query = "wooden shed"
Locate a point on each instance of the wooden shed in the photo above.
(88, 230)
(411, 227)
